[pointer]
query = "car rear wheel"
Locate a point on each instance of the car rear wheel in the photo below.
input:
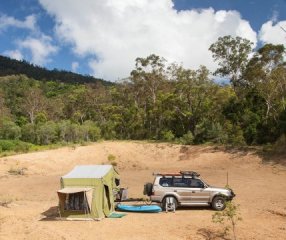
(219, 203)
(168, 201)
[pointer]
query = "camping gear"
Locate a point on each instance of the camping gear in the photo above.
(122, 195)
(170, 204)
(141, 208)
(87, 192)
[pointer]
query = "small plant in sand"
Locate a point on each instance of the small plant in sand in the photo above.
(112, 159)
(17, 170)
(228, 218)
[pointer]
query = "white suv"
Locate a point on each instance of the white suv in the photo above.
(186, 188)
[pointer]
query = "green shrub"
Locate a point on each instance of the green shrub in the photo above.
(187, 138)
(64, 131)
(168, 136)
(7, 145)
(90, 131)
(111, 158)
(15, 145)
(47, 133)
(235, 134)
(22, 147)
(216, 133)
(29, 133)
(9, 130)
(280, 145)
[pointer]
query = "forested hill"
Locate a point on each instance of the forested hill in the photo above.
(159, 101)
(10, 66)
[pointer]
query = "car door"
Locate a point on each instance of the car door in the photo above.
(181, 187)
(199, 194)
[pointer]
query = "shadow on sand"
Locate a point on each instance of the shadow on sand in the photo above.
(209, 234)
(52, 214)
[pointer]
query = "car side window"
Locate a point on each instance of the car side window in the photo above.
(165, 182)
(196, 183)
(181, 182)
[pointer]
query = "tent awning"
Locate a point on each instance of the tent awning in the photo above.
(74, 190)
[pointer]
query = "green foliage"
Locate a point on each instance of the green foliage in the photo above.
(46, 133)
(232, 56)
(13, 67)
(9, 130)
(7, 145)
(91, 131)
(280, 145)
(211, 132)
(41, 117)
(159, 101)
(234, 135)
(111, 157)
(168, 136)
(228, 218)
(15, 145)
(29, 133)
(187, 139)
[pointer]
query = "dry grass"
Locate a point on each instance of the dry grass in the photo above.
(6, 200)
(17, 170)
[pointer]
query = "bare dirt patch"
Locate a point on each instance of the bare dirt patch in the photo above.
(260, 190)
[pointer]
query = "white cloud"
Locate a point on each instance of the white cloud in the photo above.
(74, 66)
(116, 32)
(28, 23)
(41, 48)
(38, 44)
(273, 33)
(15, 54)
(275, 15)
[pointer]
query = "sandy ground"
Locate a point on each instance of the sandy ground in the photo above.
(260, 189)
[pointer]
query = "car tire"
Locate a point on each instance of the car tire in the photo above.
(219, 203)
(148, 187)
(171, 199)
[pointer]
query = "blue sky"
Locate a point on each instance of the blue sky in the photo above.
(103, 38)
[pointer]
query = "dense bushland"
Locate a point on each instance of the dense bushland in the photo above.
(158, 101)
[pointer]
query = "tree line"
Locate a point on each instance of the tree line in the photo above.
(10, 66)
(158, 101)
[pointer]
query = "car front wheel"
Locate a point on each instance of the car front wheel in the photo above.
(219, 203)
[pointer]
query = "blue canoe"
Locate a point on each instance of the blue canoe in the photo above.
(142, 208)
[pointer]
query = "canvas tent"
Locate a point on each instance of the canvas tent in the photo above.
(87, 192)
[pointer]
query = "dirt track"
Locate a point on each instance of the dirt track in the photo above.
(260, 190)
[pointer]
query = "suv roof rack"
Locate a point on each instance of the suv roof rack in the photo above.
(167, 174)
(180, 173)
(190, 173)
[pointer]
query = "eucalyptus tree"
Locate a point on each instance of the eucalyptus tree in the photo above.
(232, 55)
(148, 80)
(197, 96)
(266, 73)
